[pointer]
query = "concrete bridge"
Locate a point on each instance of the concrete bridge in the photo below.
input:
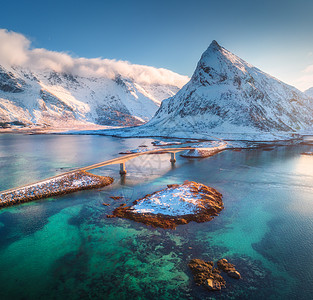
(121, 161)
(118, 160)
(172, 151)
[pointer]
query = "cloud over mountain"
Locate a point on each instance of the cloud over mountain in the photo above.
(15, 49)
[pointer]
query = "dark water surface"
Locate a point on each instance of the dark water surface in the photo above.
(65, 247)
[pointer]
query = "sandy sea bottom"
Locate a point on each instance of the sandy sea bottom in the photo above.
(65, 247)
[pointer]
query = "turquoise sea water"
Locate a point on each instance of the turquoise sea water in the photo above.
(66, 248)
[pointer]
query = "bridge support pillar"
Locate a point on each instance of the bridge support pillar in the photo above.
(122, 169)
(173, 158)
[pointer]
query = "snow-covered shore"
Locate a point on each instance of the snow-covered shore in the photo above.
(63, 184)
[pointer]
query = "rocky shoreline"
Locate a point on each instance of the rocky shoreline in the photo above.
(175, 205)
(63, 184)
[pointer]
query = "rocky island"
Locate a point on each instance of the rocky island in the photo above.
(174, 205)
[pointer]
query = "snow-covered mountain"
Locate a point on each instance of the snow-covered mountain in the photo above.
(228, 96)
(309, 92)
(59, 99)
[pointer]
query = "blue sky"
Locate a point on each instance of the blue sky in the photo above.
(275, 36)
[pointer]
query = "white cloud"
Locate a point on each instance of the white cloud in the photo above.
(15, 49)
(306, 80)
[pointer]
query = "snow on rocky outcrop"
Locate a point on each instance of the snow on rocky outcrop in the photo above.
(60, 99)
(175, 205)
(227, 96)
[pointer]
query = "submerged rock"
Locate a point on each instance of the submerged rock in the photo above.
(234, 274)
(206, 275)
(228, 268)
(175, 205)
(116, 197)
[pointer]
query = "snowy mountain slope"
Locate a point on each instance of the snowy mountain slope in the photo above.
(61, 99)
(228, 96)
(309, 92)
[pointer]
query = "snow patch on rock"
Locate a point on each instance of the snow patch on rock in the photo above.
(173, 202)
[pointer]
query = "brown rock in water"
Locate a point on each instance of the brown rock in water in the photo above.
(173, 185)
(215, 283)
(209, 204)
(116, 197)
(205, 275)
(216, 271)
(110, 216)
(228, 268)
(105, 204)
(199, 266)
(224, 265)
(234, 274)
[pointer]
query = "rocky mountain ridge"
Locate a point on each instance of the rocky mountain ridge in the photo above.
(49, 98)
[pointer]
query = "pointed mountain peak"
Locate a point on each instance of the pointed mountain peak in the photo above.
(213, 58)
(214, 45)
(217, 63)
(213, 49)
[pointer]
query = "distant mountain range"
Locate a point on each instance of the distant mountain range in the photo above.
(48, 98)
(228, 96)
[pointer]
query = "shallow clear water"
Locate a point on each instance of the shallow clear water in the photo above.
(65, 247)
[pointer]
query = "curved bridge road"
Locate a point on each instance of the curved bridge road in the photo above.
(121, 160)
